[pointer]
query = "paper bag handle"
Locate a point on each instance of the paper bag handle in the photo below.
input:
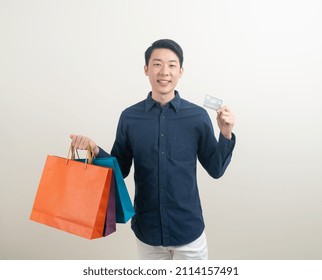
(90, 155)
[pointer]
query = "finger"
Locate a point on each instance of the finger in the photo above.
(73, 137)
(84, 144)
(227, 121)
(230, 119)
(222, 109)
(78, 142)
(81, 142)
(226, 116)
(92, 144)
(223, 115)
(219, 111)
(225, 109)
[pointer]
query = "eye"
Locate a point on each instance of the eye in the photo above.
(156, 64)
(173, 66)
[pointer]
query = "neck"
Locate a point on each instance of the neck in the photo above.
(163, 99)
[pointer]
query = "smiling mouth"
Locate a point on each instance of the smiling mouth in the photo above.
(163, 82)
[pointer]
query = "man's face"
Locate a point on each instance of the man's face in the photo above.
(163, 71)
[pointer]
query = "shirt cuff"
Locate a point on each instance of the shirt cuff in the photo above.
(228, 143)
(102, 153)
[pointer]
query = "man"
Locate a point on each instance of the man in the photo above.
(164, 135)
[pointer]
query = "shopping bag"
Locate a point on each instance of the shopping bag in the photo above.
(110, 220)
(73, 196)
(124, 206)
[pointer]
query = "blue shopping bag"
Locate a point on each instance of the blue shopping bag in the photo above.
(124, 206)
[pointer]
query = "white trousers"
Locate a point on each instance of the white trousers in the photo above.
(196, 250)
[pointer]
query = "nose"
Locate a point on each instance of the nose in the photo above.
(164, 71)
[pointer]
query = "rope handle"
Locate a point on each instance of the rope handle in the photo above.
(89, 155)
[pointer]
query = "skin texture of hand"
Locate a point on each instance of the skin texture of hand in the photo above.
(226, 121)
(81, 142)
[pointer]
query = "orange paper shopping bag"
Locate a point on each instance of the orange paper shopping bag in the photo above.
(73, 196)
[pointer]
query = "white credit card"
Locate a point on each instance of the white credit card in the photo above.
(212, 102)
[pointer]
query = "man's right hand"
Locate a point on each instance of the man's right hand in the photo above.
(81, 142)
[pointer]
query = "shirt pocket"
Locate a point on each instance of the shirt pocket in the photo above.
(183, 148)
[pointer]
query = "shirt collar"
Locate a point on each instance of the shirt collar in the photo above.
(175, 102)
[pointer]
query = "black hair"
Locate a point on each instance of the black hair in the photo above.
(164, 44)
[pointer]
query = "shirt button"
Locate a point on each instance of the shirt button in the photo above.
(162, 134)
(162, 153)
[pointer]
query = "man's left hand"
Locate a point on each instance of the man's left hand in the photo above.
(226, 121)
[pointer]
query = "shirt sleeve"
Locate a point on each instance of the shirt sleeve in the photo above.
(102, 153)
(214, 155)
(122, 148)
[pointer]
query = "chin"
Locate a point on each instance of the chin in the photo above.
(166, 92)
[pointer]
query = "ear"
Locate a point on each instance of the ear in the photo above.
(146, 70)
(181, 72)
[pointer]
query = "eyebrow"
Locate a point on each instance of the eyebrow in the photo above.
(158, 59)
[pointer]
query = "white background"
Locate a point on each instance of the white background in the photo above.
(72, 66)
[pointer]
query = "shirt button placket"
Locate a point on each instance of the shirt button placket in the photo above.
(162, 178)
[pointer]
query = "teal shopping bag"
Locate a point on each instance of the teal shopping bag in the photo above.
(124, 206)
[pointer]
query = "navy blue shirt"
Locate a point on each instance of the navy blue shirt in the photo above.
(164, 143)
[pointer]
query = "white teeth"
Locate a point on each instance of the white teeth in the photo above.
(163, 81)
